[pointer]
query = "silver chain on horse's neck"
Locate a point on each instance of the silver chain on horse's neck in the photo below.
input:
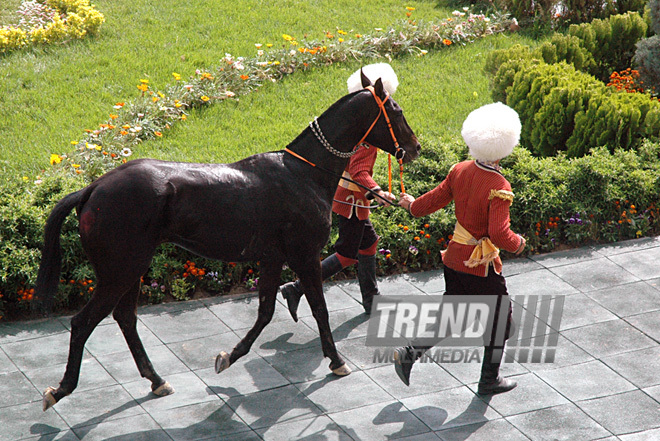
(316, 129)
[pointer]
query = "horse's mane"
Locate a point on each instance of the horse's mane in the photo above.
(330, 109)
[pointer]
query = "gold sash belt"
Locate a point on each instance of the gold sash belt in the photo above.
(484, 250)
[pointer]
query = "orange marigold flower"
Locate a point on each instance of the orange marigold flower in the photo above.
(446, 42)
(244, 77)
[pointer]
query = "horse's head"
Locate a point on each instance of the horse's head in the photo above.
(391, 131)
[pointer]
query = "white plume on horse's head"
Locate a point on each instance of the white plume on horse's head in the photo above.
(374, 71)
(491, 131)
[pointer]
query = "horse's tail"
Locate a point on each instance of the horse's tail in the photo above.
(48, 277)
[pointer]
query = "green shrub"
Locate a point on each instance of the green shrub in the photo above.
(506, 75)
(566, 48)
(611, 42)
(614, 120)
(547, 97)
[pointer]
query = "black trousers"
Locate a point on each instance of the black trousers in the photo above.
(354, 235)
(458, 283)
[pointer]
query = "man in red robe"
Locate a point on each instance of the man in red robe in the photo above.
(482, 197)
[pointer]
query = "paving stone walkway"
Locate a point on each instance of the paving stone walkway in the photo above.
(604, 382)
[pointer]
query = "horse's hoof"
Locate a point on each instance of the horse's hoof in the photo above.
(342, 370)
(164, 390)
(222, 362)
(48, 400)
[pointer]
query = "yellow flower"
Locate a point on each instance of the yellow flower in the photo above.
(339, 31)
(176, 76)
(184, 117)
(143, 81)
(269, 44)
(143, 87)
(74, 142)
(205, 98)
(55, 159)
(287, 37)
(158, 134)
(75, 165)
(410, 8)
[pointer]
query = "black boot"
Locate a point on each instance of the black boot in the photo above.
(404, 358)
(293, 292)
(367, 280)
(491, 382)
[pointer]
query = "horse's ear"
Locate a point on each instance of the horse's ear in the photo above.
(365, 80)
(378, 88)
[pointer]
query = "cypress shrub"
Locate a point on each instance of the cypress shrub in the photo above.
(611, 42)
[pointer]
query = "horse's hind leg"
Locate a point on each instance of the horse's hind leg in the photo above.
(269, 281)
(82, 325)
(125, 313)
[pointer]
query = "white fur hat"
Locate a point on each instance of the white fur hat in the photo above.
(491, 131)
(374, 71)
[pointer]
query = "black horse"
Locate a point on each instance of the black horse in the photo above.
(274, 208)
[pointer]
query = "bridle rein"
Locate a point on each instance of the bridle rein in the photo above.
(399, 153)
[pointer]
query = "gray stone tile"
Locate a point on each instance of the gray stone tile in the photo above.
(355, 352)
(595, 274)
(6, 365)
(34, 353)
(530, 394)
(24, 420)
(568, 257)
(429, 282)
(450, 408)
(345, 323)
(19, 331)
(468, 373)
(172, 322)
(512, 267)
(567, 353)
(653, 392)
(302, 365)
(397, 285)
(92, 376)
(122, 367)
(267, 408)
(320, 427)
(336, 299)
(421, 437)
(284, 337)
(627, 246)
(486, 431)
(584, 381)
(646, 435)
(330, 393)
(638, 367)
(107, 339)
(647, 323)
(579, 310)
(96, 406)
(388, 420)
(200, 353)
(635, 412)
(425, 378)
(642, 263)
(188, 389)
(200, 421)
(608, 338)
(559, 423)
(540, 282)
(16, 389)
(242, 313)
(248, 375)
(139, 428)
(630, 299)
(68, 435)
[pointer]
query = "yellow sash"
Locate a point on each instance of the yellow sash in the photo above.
(346, 184)
(484, 250)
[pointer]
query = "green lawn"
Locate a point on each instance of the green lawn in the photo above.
(50, 95)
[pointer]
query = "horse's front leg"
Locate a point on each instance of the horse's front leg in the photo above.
(312, 285)
(269, 281)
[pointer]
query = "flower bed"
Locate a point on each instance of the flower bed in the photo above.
(50, 21)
